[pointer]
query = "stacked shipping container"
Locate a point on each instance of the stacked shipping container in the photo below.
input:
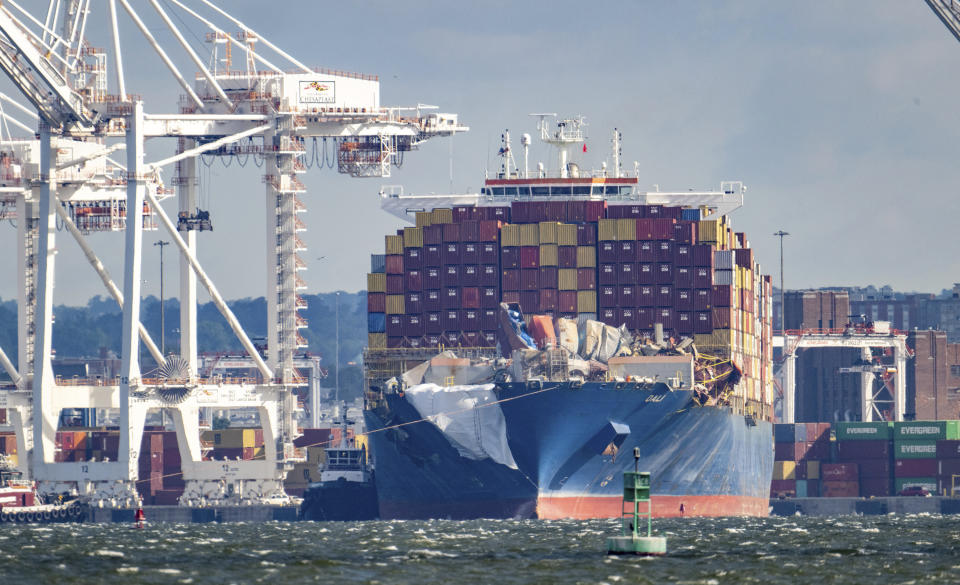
(799, 452)
(633, 265)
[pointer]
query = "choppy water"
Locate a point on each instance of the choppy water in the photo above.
(871, 550)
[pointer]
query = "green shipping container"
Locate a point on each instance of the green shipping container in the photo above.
(864, 431)
(926, 430)
(915, 450)
(928, 483)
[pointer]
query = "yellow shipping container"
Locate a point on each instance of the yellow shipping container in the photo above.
(587, 301)
(394, 245)
(510, 235)
(424, 219)
(395, 305)
(607, 230)
(413, 237)
(376, 282)
(361, 441)
(627, 229)
(441, 215)
(720, 338)
(548, 232)
(567, 234)
(586, 256)
(784, 470)
(249, 438)
(529, 234)
(548, 254)
(377, 340)
(710, 230)
(813, 470)
(567, 278)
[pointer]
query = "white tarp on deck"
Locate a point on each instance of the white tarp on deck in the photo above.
(475, 430)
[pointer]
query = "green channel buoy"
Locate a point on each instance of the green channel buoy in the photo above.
(636, 493)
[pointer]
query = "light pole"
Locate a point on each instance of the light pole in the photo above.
(336, 378)
(162, 243)
(783, 304)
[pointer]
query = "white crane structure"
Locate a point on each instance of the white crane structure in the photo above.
(260, 111)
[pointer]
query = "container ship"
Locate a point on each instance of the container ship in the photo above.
(520, 338)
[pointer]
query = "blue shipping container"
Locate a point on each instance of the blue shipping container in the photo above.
(690, 214)
(801, 488)
(378, 263)
(376, 322)
(783, 433)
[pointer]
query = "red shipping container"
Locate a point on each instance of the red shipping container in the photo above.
(684, 299)
(627, 251)
(608, 296)
(684, 322)
(470, 275)
(646, 296)
(529, 279)
(662, 229)
(469, 253)
(629, 318)
(548, 277)
(567, 299)
(393, 264)
(664, 295)
(783, 452)
(470, 320)
(685, 232)
(744, 257)
(683, 254)
(819, 450)
(646, 273)
(627, 296)
(432, 301)
(664, 251)
(510, 257)
(646, 252)
(451, 232)
(450, 253)
(848, 472)
(433, 234)
(783, 487)
(432, 256)
(915, 467)
(511, 280)
(450, 275)
(520, 211)
(607, 251)
(376, 302)
(722, 317)
(586, 279)
(529, 257)
(949, 467)
(462, 213)
(432, 323)
(555, 210)
(529, 301)
(665, 316)
(470, 297)
(394, 284)
(645, 229)
(664, 273)
(414, 280)
(567, 256)
(627, 273)
(839, 489)
(548, 299)
(623, 211)
(489, 253)
(489, 230)
(702, 277)
(608, 274)
(609, 316)
(412, 258)
(587, 232)
(800, 471)
(499, 213)
(722, 295)
(875, 487)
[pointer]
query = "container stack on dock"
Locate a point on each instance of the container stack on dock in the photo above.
(799, 452)
(441, 282)
(869, 459)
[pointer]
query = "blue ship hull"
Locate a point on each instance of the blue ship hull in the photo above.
(571, 444)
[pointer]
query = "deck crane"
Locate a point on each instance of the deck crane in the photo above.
(261, 110)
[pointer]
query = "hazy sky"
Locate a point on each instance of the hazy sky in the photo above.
(840, 118)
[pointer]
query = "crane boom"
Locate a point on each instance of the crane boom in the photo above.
(948, 11)
(41, 83)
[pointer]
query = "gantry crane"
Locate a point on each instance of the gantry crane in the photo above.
(261, 111)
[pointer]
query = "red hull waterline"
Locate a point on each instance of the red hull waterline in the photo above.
(584, 507)
(581, 508)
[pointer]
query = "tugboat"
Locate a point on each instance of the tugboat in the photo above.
(346, 490)
(20, 503)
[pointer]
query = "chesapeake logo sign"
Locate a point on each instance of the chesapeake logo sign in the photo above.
(317, 92)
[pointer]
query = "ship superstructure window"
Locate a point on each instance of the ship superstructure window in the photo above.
(955, 371)
(581, 190)
(598, 189)
(523, 190)
(497, 191)
(612, 190)
(540, 190)
(560, 191)
(510, 191)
